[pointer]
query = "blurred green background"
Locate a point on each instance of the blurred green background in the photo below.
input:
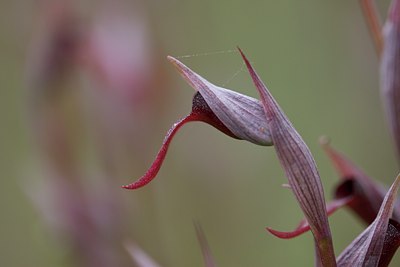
(317, 59)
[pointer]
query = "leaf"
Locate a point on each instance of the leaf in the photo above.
(237, 115)
(300, 169)
(241, 114)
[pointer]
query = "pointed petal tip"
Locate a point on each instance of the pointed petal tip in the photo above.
(243, 56)
(144, 180)
(247, 62)
(240, 50)
(182, 68)
(266, 97)
(324, 141)
(251, 70)
(288, 235)
(129, 186)
(177, 64)
(190, 76)
(171, 59)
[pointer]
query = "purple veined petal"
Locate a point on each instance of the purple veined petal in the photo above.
(205, 248)
(304, 227)
(242, 115)
(367, 192)
(300, 169)
(389, 69)
(367, 248)
(237, 115)
(200, 112)
(140, 257)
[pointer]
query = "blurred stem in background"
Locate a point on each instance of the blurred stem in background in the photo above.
(109, 115)
(374, 23)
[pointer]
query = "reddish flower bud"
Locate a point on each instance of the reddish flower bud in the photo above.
(241, 114)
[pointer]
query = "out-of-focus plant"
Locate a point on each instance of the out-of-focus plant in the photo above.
(264, 123)
(91, 221)
(118, 54)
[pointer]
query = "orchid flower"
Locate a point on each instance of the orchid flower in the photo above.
(237, 115)
(264, 123)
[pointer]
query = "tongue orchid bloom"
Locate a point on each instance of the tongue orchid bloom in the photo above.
(237, 115)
